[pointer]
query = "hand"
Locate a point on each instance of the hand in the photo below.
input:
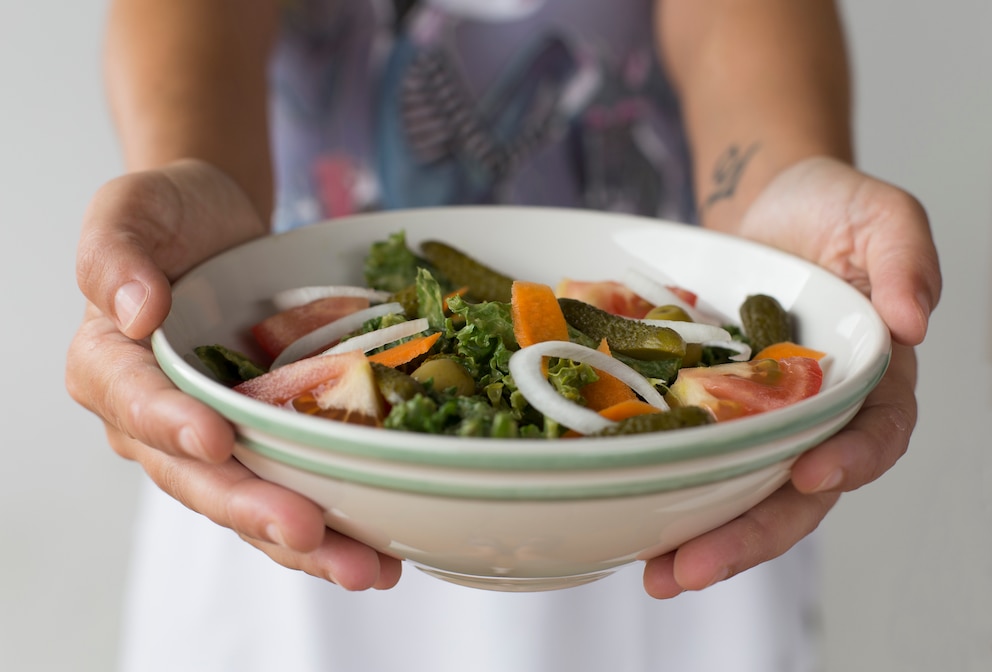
(141, 232)
(877, 238)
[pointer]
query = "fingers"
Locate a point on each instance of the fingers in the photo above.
(141, 232)
(763, 533)
(283, 524)
(145, 229)
(867, 447)
(119, 380)
(873, 441)
(341, 560)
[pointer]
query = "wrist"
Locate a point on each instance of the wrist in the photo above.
(737, 175)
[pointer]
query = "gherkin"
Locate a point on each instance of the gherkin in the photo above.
(396, 386)
(676, 418)
(626, 337)
(461, 270)
(765, 321)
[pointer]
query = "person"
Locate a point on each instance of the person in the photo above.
(242, 117)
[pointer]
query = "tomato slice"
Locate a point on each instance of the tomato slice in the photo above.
(613, 297)
(342, 382)
(740, 389)
(276, 332)
(684, 294)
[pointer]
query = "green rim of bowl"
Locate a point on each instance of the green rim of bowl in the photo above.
(545, 491)
(515, 454)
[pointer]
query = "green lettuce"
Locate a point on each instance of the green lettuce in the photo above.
(390, 265)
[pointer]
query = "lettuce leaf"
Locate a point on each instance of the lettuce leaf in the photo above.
(430, 301)
(390, 265)
(228, 366)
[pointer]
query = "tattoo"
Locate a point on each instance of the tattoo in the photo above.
(727, 174)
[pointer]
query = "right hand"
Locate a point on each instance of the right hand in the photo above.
(141, 232)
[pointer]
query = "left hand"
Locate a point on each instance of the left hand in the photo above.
(877, 238)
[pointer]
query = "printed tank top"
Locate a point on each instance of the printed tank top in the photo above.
(382, 104)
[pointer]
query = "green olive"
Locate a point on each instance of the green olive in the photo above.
(446, 373)
(693, 351)
(668, 312)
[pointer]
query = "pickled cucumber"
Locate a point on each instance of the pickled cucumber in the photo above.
(483, 283)
(765, 321)
(626, 337)
(396, 386)
(676, 418)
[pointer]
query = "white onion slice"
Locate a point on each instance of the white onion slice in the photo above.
(693, 332)
(298, 296)
(658, 294)
(332, 331)
(527, 372)
(379, 337)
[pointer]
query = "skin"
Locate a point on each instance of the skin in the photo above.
(764, 89)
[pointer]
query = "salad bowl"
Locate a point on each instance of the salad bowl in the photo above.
(526, 514)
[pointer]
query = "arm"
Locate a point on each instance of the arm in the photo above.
(764, 89)
(763, 84)
(187, 79)
(187, 84)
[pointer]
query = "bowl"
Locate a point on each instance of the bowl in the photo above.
(526, 515)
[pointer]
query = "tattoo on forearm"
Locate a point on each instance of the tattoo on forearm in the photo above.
(727, 174)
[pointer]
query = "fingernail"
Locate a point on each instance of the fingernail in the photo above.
(923, 299)
(191, 444)
(274, 534)
(128, 302)
(832, 480)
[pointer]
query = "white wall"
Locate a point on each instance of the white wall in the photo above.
(65, 499)
(909, 559)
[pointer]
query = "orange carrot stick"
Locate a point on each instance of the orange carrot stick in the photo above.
(788, 349)
(537, 317)
(405, 352)
(628, 409)
(608, 390)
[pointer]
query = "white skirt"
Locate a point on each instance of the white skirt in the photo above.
(200, 599)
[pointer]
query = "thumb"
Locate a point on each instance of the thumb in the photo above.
(143, 230)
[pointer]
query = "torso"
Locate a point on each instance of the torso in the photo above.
(410, 104)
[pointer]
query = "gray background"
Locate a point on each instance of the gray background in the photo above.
(908, 565)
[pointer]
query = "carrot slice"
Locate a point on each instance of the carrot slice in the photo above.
(537, 317)
(788, 349)
(628, 409)
(405, 352)
(608, 390)
(619, 411)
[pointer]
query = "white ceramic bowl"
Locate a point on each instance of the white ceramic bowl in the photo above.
(526, 514)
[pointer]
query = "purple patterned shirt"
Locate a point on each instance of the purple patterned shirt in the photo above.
(398, 103)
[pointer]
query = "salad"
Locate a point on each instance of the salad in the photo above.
(438, 342)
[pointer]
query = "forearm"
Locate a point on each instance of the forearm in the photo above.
(763, 84)
(187, 79)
